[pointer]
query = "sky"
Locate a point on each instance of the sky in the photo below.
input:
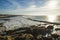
(30, 7)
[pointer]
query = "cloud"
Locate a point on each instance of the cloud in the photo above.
(50, 7)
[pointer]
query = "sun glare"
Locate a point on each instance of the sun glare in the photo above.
(52, 4)
(51, 18)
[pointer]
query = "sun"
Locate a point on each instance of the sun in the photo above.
(51, 18)
(52, 4)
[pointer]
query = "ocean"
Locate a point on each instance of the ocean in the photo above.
(25, 21)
